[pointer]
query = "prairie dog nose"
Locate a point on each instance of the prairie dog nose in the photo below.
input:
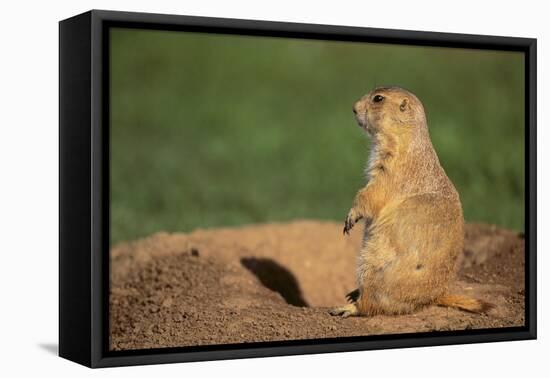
(359, 107)
(355, 108)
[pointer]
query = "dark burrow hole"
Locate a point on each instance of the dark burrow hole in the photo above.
(277, 278)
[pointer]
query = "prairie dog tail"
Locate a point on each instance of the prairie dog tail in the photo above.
(464, 303)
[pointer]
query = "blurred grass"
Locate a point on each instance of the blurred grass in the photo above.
(214, 130)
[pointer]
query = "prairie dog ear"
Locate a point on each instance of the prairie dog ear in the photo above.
(404, 105)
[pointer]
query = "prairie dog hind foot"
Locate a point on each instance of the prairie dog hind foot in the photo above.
(345, 311)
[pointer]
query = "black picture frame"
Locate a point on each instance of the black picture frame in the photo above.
(84, 187)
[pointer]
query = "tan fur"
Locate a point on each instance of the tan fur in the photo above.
(414, 223)
(464, 303)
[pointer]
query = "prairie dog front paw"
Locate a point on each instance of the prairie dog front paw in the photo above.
(350, 221)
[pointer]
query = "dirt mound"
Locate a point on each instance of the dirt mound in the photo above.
(276, 282)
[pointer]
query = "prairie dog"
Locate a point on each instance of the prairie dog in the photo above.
(414, 228)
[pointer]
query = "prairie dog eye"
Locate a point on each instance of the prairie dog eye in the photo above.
(377, 98)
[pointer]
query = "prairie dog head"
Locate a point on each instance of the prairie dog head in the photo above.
(389, 110)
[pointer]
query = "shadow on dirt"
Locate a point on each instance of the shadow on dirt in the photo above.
(277, 278)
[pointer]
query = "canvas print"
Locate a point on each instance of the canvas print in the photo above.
(272, 189)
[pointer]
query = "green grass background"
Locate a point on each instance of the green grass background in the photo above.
(212, 130)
